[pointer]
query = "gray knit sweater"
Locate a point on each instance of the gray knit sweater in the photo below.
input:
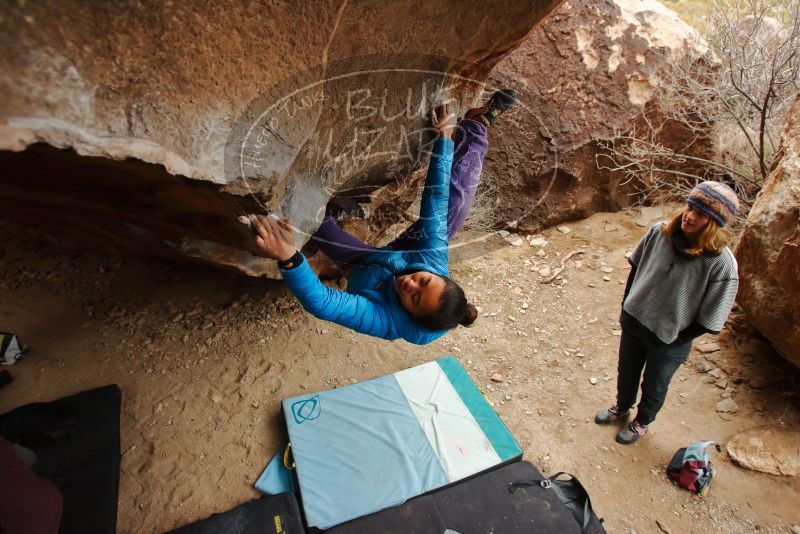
(670, 290)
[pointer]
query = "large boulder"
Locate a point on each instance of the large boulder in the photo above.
(769, 450)
(152, 126)
(768, 251)
(589, 72)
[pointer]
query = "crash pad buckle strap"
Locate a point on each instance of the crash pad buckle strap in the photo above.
(546, 483)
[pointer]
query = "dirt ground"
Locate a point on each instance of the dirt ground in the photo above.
(204, 357)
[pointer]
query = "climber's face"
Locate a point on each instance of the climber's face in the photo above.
(420, 293)
(693, 221)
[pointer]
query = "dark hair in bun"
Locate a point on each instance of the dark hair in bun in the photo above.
(453, 310)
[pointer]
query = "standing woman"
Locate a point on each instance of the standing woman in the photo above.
(403, 290)
(682, 284)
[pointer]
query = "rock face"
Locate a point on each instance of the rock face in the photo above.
(769, 450)
(586, 73)
(152, 126)
(768, 251)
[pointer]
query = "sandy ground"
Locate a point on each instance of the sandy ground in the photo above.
(204, 357)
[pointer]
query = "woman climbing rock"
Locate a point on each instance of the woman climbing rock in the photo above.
(402, 290)
(682, 284)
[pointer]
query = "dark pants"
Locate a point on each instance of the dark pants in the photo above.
(471, 144)
(640, 349)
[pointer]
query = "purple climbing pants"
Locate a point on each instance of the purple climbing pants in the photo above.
(471, 144)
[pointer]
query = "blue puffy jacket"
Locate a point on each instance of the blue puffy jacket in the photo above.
(370, 305)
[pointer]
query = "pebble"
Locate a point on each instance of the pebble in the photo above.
(702, 366)
(727, 406)
(544, 271)
(216, 398)
(759, 382)
(607, 269)
(524, 305)
(606, 279)
(508, 397)
(563, 229)
(512, 239)
(497, 377)
(539, 242)
(707, 348)
(593, 381)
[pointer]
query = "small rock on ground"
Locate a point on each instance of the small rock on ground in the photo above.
(727, 406)
(707, 348)
(769, 450)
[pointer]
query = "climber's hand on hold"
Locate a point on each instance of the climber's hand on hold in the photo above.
(444, 120)
(274, 237)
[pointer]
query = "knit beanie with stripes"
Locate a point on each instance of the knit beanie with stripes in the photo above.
(716, 200)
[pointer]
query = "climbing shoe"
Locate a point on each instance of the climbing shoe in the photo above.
(500, 102)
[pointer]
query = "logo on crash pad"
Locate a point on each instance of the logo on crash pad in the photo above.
(306, 410)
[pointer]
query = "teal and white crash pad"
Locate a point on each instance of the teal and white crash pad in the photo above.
(373, 445)
(276, 478)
